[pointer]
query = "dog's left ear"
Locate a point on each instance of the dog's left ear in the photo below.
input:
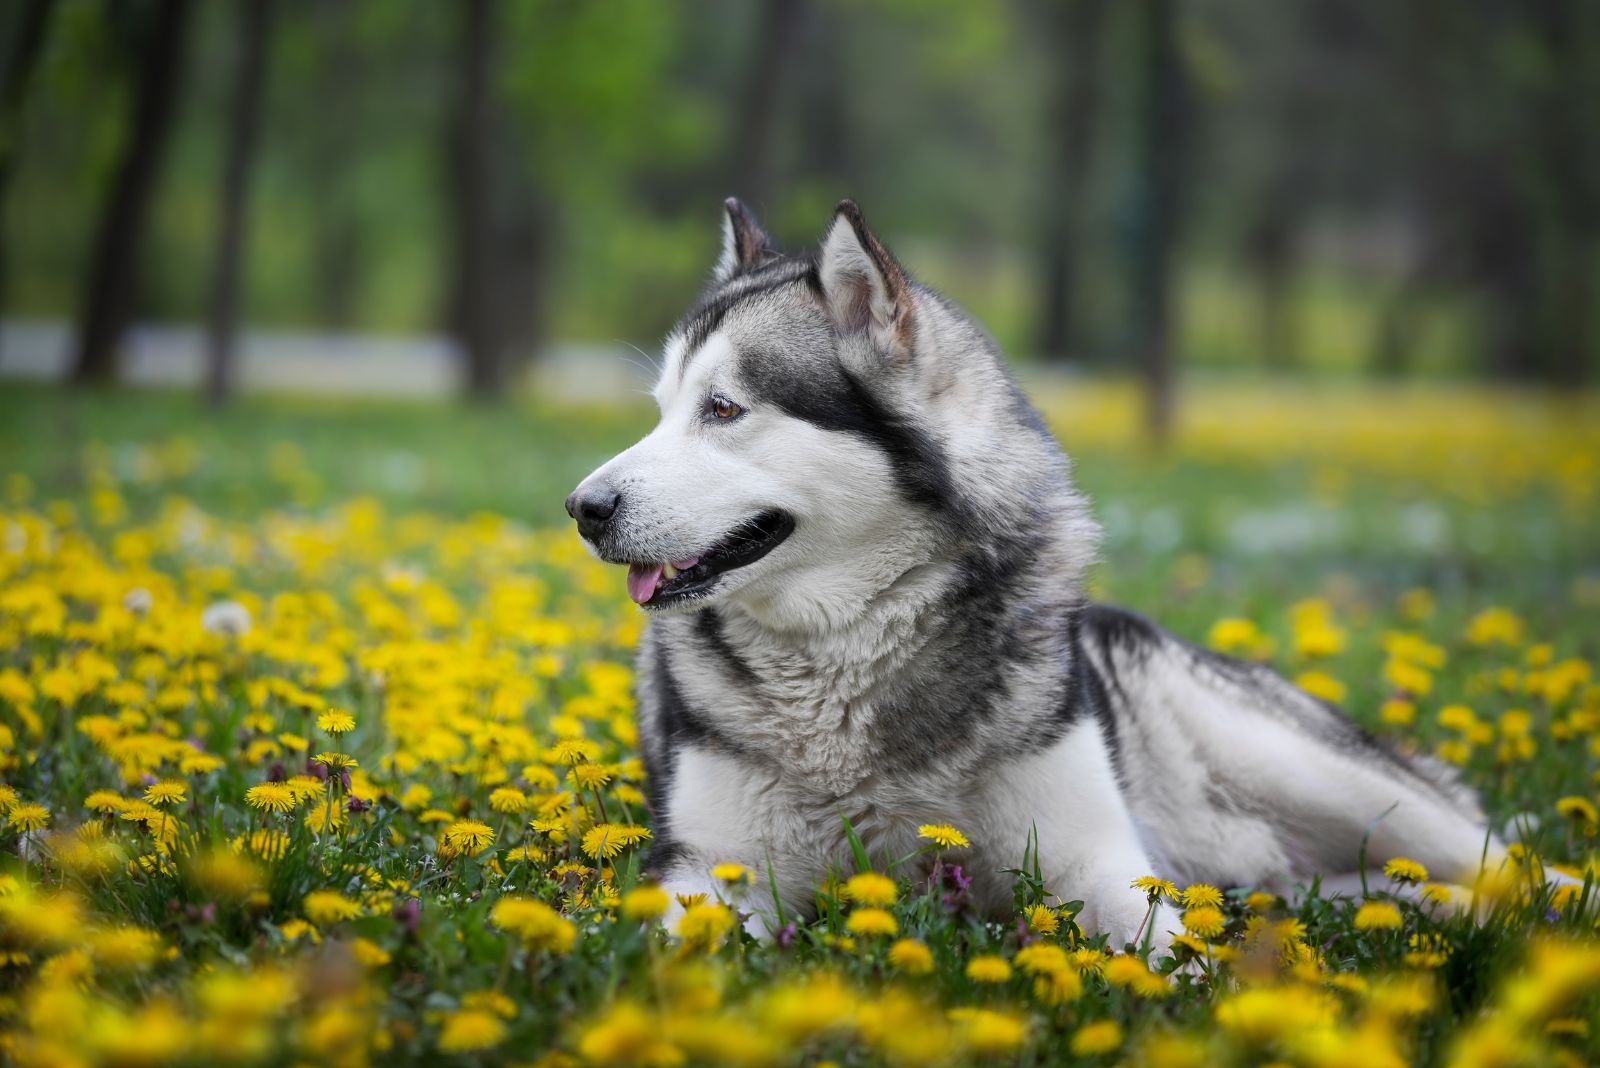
(744, 244)
(864, 285)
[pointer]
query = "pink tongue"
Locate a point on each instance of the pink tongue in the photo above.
(642, 581)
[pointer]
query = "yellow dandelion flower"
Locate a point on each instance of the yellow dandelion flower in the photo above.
(469, 837)
(368, 953)
(165, 793)
(28, 817)
(105, 801)
(1207, 921)
(988, 969)
(1398, 712)
(572, 751)
(1132, 973)
(1042, 920)
(1377, 916)
(530, 853)
(645, 903)
(1579, 810)
(336, 721)
(704, 926)
(538, 925)
(591, 776)
(910, 956)
(1043, 958)
(125, 948)
(469, 1030)
(306, 787)
(1405, 870)
(265, 843)
(1457, 718)
(988, 1032)
(1088, 960)
(324, 907)
(1321, 684)
(1202, 894)
(626, 1036)
(1102, 1036)
(508, 800)
(869, 922)
(732, 873)
(1260, 901)
(943, 835)
(1155, 888)
(603, 841)
(870, 888)
(270, 797)
(1436, 893)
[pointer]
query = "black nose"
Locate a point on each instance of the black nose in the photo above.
(593, 509)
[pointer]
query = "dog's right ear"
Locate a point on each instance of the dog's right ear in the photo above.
(744, 244)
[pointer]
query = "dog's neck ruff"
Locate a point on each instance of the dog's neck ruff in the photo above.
(929, 676)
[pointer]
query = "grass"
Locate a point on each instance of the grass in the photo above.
(204, 865)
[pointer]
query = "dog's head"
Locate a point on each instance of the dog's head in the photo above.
(827, 427)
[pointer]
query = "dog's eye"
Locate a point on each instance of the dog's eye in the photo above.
(723, 408)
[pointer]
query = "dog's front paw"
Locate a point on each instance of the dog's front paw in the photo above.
(1127, 918)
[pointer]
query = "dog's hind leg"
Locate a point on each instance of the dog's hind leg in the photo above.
(1242, 778)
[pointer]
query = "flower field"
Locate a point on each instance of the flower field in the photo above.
(317, 746)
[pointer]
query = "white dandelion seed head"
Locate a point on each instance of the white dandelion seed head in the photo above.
(226, 617)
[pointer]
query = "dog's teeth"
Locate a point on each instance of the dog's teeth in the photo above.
(669, 571)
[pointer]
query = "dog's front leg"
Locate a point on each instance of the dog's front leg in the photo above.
(719, 810)
(688, 878)
(1067, 799)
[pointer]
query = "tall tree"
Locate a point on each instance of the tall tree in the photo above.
(340, 76)
(244, 126)
(1072, 28)
(1568, 192)
(16, 80)
(113, 268)
(1269, 254)
(753, 139)
(472, 155)
(1156, 216)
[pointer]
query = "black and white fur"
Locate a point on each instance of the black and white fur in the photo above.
(920, 649)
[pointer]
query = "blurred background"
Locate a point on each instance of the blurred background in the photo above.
(1295, 279)
(1310, 186)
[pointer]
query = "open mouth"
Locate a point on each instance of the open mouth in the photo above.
(656, 585)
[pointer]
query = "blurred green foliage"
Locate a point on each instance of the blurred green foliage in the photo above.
(1410, 187)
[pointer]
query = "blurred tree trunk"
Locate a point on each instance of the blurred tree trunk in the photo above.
(1270, 253)
(1432, 169)
(339, 76)
(823, 118)
(753, 135)
(1158, 179)
(113, 267)
(473, 311)
(21, 64)
(244, 127)
(1073, 31)
(1565, 112)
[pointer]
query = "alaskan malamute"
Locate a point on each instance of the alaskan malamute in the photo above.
(863, 561)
